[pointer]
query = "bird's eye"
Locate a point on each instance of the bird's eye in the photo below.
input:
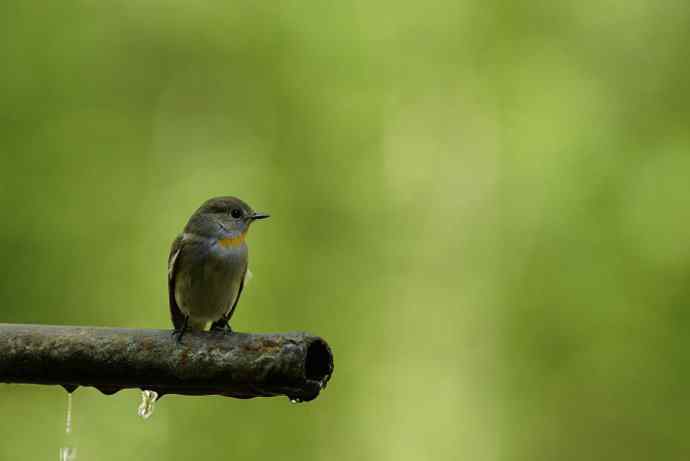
(236, 213)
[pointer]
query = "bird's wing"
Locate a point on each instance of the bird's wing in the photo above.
(176, 314)
(231, 310)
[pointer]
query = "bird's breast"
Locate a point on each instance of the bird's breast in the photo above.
(210, 281)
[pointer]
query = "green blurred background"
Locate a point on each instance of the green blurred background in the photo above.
(482, 206)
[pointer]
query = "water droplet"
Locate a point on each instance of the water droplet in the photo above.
(148, 403)
(68, 423)
(68, 454)
(295, 400)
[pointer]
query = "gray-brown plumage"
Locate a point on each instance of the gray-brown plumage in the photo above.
(207, 265)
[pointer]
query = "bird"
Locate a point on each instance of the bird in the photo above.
(208, 265)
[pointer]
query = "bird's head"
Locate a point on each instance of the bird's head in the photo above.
(224, 218)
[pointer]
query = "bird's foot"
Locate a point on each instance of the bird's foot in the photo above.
(221, 326)
(177, 333)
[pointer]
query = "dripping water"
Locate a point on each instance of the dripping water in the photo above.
(148, 404)
(68, 452)
(68, 423)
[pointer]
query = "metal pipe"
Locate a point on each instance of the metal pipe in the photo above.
(240, 365)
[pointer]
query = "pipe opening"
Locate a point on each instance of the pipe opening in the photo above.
(319, 361)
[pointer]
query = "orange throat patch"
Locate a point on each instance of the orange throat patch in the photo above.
(232, 241)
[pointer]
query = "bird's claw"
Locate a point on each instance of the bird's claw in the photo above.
(221, 326)
(177, 334)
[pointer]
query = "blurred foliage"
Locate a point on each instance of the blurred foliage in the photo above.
(483, 206)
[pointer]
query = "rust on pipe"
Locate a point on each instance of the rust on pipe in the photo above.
(241, 365)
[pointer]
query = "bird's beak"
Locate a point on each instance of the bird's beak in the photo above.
(258, 215)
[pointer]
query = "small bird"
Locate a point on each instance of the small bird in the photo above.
(207, 265)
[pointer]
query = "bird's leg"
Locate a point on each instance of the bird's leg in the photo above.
(180, 332)
(222, 325)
